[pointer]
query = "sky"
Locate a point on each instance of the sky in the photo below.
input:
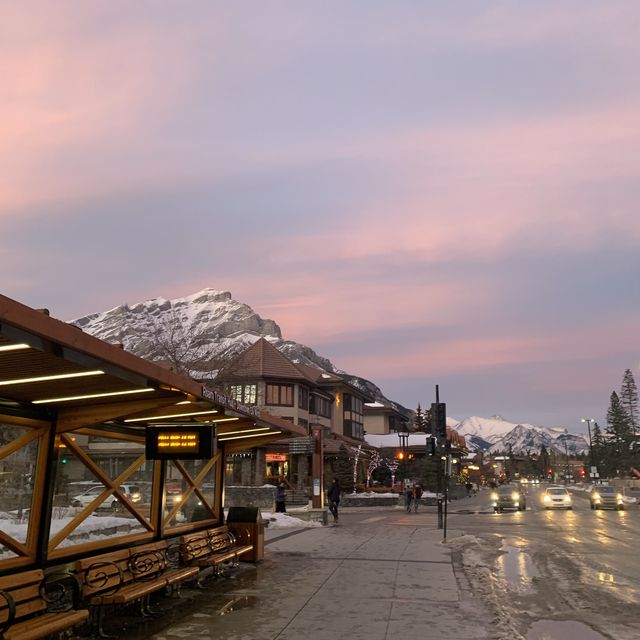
(423, 192)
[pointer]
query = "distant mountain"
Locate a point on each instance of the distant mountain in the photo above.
(497, 435)
(208, 327)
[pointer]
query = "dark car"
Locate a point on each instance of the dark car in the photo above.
(508, 497)
(606, 497)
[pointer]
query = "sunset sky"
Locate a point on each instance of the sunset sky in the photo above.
(423, 192)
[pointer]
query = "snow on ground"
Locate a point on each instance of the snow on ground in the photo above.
(285, 521)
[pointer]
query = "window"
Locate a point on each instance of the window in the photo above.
(354, 429)
(280, 394)
(244, 393)
(320, 407)
(353, 408)
(303, 398)
(351, 403)
(303, 423)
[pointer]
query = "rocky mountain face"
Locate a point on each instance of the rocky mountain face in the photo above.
(204, 330)
(497, 435)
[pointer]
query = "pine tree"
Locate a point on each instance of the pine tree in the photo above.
(629, 399)
(619, 431)
(599, 450)
(419, 421)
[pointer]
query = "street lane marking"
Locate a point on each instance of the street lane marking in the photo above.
(373, 519)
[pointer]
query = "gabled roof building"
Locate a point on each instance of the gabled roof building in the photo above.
(264, 377)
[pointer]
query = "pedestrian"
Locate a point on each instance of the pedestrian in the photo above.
(408, 498)
(334, 498)
(281, 495)
(469, 488)
(416, 494)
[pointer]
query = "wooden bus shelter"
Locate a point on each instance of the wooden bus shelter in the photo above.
(74, 416)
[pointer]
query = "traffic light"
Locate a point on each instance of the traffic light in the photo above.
(431, 446)
(63, 460)
(582, 472)
(400, 455)
(439, 419)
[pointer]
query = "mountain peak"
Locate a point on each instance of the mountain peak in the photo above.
(495, 435)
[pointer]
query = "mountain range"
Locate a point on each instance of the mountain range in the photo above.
(497, 435)
(208, 328)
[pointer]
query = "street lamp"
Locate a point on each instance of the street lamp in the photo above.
(403, 437)
(589, 421)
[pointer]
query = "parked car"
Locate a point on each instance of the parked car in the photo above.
(130, 491)
(606, 497)
(508, 497)
(556, 498)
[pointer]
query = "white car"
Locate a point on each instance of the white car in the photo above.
(556, 498)
(130, 491)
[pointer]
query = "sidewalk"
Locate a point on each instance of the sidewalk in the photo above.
(368, 580)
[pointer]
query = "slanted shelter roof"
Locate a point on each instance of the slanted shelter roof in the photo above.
(52, 370)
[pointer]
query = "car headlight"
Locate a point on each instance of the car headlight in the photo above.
(546, 499)
(494, 496)
(596, 496)
(515, 496)
(567, 498)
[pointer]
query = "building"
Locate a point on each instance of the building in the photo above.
(264, 377)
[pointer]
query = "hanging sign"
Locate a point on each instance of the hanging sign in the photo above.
(179, 442)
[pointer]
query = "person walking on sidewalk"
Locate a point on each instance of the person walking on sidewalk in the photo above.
(281, 495)
(416, 494)
(408, 498)
(334, 498)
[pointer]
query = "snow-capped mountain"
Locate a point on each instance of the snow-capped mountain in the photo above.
(496, 435)
(205, 329)
(208, 318)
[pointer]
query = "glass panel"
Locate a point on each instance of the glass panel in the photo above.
(94, 509)
(5, 553)
(16, 482)
(181, 500)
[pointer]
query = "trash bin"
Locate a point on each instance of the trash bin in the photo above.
(247, 524)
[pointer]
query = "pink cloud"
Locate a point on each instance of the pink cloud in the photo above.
(581, 345)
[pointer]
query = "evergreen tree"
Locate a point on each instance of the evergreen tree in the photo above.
(619, 433)
(600, 451)
(419, 422)
(629, 399)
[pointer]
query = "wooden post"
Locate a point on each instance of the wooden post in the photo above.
(317, 467)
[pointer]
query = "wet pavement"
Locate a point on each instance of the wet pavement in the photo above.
(373, 581)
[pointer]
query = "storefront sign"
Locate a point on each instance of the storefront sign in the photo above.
(276, 457)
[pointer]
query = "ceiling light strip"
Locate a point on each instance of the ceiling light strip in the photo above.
(15, 347)
(251, 435)
(228, 433)
(60, 376)
(108, 394)
(172, 415)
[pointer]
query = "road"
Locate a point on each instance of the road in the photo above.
(536, 565)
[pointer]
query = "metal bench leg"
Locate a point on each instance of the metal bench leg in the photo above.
(101, 632)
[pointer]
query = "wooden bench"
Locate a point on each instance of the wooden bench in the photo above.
(212, 548)
(129, 575)
(24, 608)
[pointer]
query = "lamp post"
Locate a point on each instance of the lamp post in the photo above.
(403, 438)
(589, 421)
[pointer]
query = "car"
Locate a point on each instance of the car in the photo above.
(556, 498)
(508, 497)
(130, 491)
(606, 497)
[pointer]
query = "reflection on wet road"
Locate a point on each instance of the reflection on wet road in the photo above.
(579, 565)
